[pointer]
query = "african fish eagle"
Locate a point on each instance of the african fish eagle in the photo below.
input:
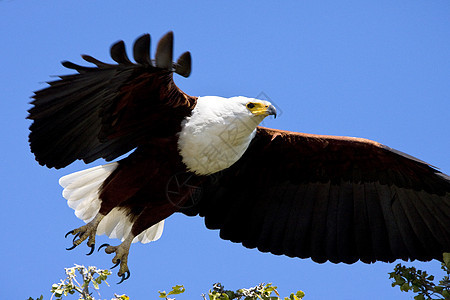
(327, 198)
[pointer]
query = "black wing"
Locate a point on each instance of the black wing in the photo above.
(107, 110)
(330, 198)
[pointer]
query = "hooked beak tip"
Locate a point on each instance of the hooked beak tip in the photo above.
(272, 111)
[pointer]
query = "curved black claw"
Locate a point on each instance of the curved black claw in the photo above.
(92, 249)
(124, 276)
(117, 263)
(71, 248)
(76, 236)
(70, 232)
(104, 245)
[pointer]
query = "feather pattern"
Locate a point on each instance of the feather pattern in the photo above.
(81, 189)
(108, 110)
(330, 198)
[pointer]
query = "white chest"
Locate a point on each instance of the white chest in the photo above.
(210, 141)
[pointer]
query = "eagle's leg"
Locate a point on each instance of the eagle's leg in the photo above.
(121, 257)
(86, 231)
(143, 221)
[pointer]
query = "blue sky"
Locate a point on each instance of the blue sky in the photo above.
(373, 69)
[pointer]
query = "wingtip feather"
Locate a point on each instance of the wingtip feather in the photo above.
(164, 51)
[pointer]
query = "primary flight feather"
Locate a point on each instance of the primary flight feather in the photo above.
(328, 198)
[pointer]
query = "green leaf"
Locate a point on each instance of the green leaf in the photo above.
(419, 297)
(405, 287)
(162, 294)
(300, 294)
(212, 295)
(438, 289)
(95, 284)
(230, 294)
(178, 289)
(400, 281)
(446, 258)
(224, 296)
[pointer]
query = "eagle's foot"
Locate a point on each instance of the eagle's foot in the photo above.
(121, 257)
(84, 232)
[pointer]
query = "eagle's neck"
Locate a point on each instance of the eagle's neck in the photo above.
(212, 139)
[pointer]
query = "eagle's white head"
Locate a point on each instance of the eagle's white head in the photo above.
(219, 131)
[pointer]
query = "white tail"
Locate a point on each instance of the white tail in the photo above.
(81, 189)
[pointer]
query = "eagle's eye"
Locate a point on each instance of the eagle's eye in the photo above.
(250, 105)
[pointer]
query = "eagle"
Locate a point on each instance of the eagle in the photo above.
(328, 198)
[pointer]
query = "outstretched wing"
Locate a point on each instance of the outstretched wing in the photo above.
(330, 198)
(107, 110)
